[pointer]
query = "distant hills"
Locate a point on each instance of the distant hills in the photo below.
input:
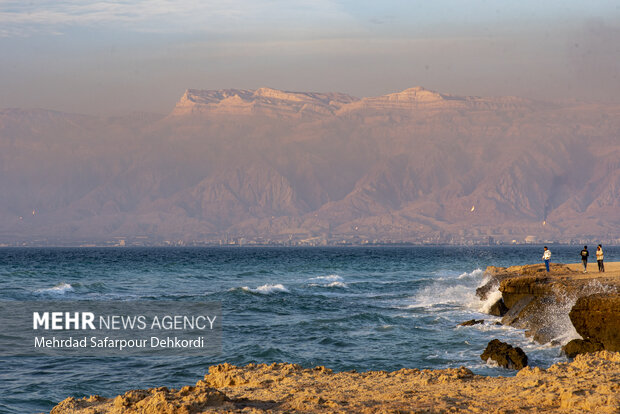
(283, 167)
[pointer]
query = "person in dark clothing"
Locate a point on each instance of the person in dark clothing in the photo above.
(584, 258)
(599, 258)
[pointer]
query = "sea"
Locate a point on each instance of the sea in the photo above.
(346, 308)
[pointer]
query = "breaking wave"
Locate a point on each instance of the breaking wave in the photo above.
(267, 289)
(456, 291)
(59, 289)
(476, 274)
(330, 281)
(492, 297)
(329, 278)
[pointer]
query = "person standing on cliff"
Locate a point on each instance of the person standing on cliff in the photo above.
(546, 257)
(599, 259)
(584, 258)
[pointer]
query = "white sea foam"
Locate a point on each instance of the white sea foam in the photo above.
(59, 289)
(454, 290)
(442, 294)
(458, 290)
(492, 297)
(476, 274)
(337, 284)
(331, 278)
(329, 285)
(267, 289)
(330, 281)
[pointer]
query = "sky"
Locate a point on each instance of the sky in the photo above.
(112, 57)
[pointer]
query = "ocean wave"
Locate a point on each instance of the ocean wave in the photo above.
(330, 281)
(331, 278)
(471, 275)
(492, 297)
(267, 289)
(437, 294)
(330, 285)
(59, 289)
(455, 290)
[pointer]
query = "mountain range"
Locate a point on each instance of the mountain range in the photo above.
(273, 166)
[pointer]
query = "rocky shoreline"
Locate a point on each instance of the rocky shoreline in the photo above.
(591, 383)
(558, 306)
(552, 307)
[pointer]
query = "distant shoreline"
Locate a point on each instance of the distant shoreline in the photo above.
(337, 246)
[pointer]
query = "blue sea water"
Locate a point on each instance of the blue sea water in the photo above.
(379, 308)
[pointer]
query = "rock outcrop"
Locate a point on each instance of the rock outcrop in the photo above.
(472, 322)
(562, 304)
(581, 346)
(597, 317)
(591, 383)
(505, 355)
(187, 400)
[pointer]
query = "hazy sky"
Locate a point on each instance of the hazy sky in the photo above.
(108, 57)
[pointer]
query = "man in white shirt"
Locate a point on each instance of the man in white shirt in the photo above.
(546, 257)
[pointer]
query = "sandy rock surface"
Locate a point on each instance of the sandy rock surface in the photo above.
(591, 383)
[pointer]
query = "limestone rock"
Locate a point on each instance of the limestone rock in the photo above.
(597, 317)
(505, 355)
(162, 400)
(587, 384)
(514, 289)
(581, 346)
(541, 302)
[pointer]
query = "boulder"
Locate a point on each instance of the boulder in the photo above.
(597, 317)
(581, 346)
(471, 322)
(505, 355)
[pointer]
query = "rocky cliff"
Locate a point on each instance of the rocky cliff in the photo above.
(561, 305)
(597, 317)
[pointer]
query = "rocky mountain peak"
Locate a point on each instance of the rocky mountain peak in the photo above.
(263, 101)
(417, 93)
